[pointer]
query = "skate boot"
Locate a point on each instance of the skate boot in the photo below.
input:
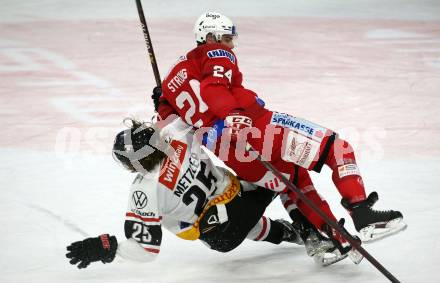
(319, 247)
(373, 224)
(322, 249)
(290, 234)
(341, 243)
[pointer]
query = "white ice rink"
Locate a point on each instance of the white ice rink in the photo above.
(70, 71)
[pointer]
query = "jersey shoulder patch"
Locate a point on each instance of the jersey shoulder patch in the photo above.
(221, 53)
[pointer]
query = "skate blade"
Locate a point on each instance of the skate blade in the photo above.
(327, 259)
(321, 248)
(379, 231)
(355, 256)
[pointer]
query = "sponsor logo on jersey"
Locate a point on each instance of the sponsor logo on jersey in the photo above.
(272, 184)
(218, 53)
(171, 168)
(347, 170)
(181, 59)
(139, 199)
(291, 122)
(136, 215)
(143, 213)
(299, 150)
(305, 149)
(300, 125)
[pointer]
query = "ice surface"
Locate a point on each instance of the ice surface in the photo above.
(70, 71)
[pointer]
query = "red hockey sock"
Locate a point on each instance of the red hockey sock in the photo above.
(310, 214)
(346, 175)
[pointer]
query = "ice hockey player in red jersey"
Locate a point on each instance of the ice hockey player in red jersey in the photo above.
(194, 199)
(204, 87)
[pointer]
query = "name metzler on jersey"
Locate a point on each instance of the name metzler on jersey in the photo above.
(189, 175)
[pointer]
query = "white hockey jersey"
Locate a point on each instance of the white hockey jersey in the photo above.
(174, 196)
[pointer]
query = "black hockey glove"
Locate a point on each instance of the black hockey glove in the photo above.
(102, 248)
(157, 93)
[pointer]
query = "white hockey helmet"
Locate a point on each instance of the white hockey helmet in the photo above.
(214, 23)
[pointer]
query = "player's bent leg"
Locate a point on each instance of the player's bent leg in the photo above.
(346, 175)
(303, 181)
(275, 232)
(311, 146)
(371, 224)
(217, 235)
(225, 233)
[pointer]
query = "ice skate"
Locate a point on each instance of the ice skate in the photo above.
(373, 224)
(290, 234)
(322, 249)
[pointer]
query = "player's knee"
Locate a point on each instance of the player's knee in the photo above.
(343, 150)
(221, 228)
(214, 217)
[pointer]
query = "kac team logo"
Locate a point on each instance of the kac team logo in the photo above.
(139, 199)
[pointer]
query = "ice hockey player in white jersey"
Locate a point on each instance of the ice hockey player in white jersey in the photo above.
(187, 194)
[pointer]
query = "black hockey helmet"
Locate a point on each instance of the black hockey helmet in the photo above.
(134, 147)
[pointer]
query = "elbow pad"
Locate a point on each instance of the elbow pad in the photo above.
(133, 251)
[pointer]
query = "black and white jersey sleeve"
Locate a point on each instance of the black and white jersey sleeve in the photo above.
(142, 221)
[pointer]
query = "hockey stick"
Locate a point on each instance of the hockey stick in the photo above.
(353, 242)
(148, 42)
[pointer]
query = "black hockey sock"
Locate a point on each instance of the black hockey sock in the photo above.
(276, 232)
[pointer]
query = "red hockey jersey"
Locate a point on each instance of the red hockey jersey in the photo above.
(204, 85)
